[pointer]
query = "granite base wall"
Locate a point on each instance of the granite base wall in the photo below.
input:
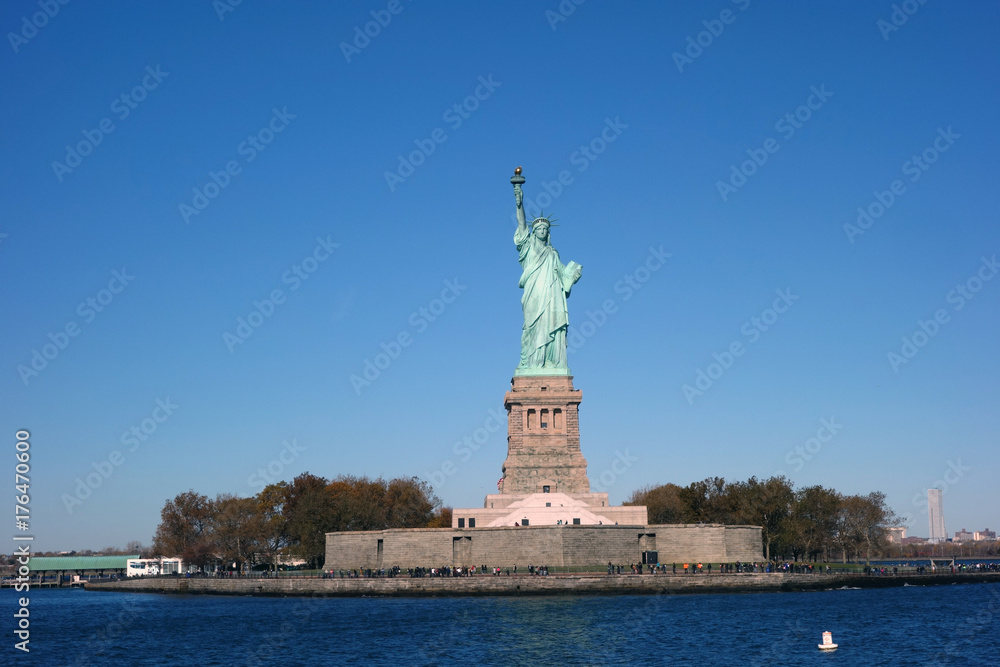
(555, 546)
(526, 585)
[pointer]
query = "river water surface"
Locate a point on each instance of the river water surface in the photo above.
(912, 625)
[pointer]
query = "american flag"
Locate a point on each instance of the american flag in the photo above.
(499, 483)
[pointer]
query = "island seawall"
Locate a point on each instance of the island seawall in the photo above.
(524, 585)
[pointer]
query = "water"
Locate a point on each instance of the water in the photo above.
(912, 625)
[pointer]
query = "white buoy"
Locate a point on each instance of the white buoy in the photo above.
(827, 644)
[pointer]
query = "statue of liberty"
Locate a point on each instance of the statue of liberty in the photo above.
(546, 284)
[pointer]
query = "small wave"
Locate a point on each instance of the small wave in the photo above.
(849, 588)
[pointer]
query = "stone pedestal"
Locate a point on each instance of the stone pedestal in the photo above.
(543, 437)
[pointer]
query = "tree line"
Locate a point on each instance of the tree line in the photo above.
(290, 518)
(810, 523)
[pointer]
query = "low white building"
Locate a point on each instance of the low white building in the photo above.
(151, 567)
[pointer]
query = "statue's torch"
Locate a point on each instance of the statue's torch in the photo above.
(517, 180)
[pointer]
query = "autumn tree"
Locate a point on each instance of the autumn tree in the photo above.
(409, 503)
(292, 516)
(270, 523)
(357, 503)
(863, 524)
(707, 501)
(663, 503)
(360, 503)
(813, 521)
(235, 530)
(184, 529)
(848, 532)
(441, 519)
(310, 513)
(767, 504)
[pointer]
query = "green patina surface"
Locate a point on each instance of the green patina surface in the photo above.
(546, 282)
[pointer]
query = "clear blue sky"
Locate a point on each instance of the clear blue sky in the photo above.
(329, 122)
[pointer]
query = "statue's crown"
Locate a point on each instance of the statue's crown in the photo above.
(542, 220)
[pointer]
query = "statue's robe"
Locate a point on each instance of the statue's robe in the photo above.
(546, 284)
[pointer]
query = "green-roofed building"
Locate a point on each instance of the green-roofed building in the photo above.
(81, 565)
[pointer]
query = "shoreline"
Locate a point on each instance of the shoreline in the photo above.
(530, 585)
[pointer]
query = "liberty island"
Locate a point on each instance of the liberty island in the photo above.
(544, 510)
(544, 514)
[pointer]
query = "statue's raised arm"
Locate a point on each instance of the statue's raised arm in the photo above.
(517, 180)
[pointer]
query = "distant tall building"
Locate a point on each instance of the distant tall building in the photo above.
(897, 535)
(985, 534)
(935, 514)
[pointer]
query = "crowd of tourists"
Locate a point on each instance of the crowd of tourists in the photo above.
(952, 568)
(736, 567)
(692, 568)
(443, 571)
(979, 567)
